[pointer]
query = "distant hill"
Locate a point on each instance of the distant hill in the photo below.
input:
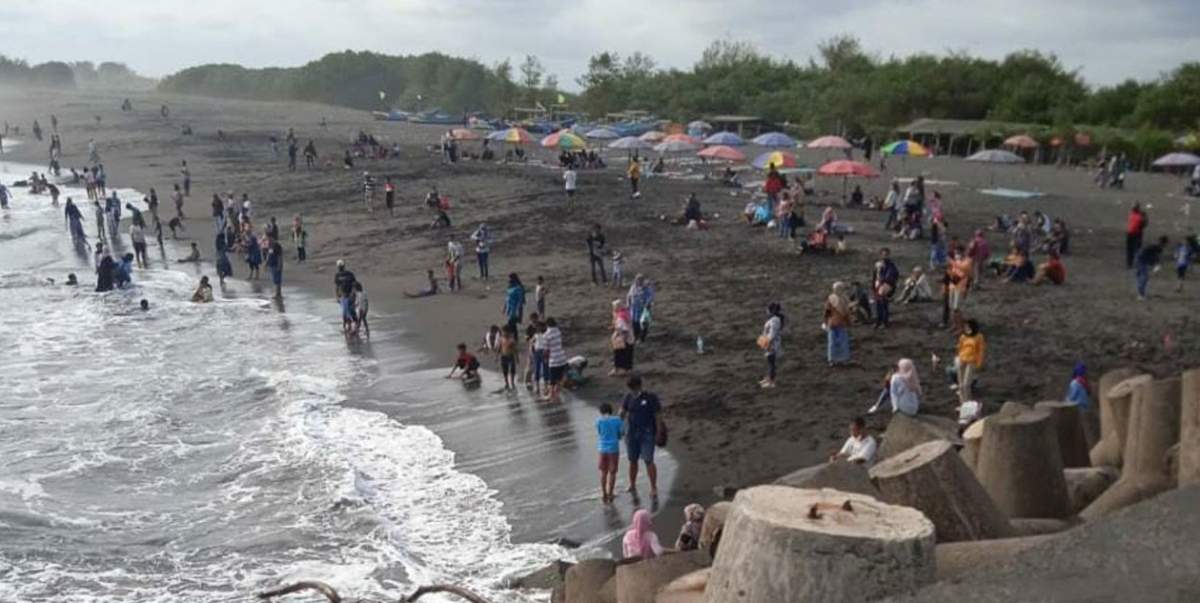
(356, 79)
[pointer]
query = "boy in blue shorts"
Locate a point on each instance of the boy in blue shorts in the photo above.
(608, 428)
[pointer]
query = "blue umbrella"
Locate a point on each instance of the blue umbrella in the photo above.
(603, 134)
(775, 139)
(728, 139)
(497, 135)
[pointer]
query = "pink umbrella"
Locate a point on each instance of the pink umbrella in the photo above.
(682, 138)
(463, 134)
(829, 142)
(1021, 141)
(721, 151)
(846, 168)
(653, 136)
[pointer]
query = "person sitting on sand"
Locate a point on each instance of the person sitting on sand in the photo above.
(860, 447)
(730, 178)
(1051, 270)
(432, 289)
(204, 292)
(1018, 267)
(1078, 391)
(467, 363)
(640, 541)
(916, 287)
(689, 533)
(691, 213)
(192, 257)
(659, 166)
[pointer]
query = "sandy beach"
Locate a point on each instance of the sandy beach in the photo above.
(716, 284)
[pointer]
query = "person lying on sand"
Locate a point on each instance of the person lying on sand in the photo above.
(467, 363)
(432, 289)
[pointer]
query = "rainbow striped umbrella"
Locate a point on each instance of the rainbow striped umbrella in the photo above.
(779, 159)
(511, 135)
(905, 147)
(564, 139)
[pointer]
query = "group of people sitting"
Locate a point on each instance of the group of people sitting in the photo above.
(581, 159)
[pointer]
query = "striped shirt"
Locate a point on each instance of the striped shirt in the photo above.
(552, 340)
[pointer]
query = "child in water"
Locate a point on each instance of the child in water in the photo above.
(360, 310)
(466, 363)
(508, 357)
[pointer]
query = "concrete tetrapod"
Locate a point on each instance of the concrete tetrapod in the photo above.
(972, 437)
(686, 589)
(839, 475)
(1115, 394)
(957, 558)
(1072, 441)
(933, 479)
(640, 582)
(904, 432)
(1020, 465)
(1189, 430)
(1153, 428)
(714, 524)
(585, 579)
(789, 544)
(1086, 484)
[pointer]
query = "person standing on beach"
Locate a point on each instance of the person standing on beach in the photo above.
(635, 176)
(137, 236)
(972, 350)
(621, 339)
(508, 357)
(556, 360)
(1135, 229)
(569, 180)
(275, 266)
(883, 287)
(596, 253)
(483, 248)
(608, 430)
(1147, 261)
(293, 151)
(454, 253)
(361, 306)
(177, 199)
(539, 296)
(641, 410)
(638, 301)
(837, 324)
(300, 239)
(389, 196)
(253, 255)
(514, 300)
(368, 190)
(771, 342)
(310, 154)
(343, 287)
(3, 197)
(100, 212)
(187, 181)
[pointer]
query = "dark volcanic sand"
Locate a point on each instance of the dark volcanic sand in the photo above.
(717, 283)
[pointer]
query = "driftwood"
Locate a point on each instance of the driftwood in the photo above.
(333, 596)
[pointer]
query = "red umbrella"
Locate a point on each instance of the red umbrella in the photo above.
(722, 152)
(845, 167)
(463, 134)
(682, 138)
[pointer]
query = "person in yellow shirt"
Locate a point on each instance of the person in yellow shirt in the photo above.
(635, 175)
(960, 270)
(972, 349)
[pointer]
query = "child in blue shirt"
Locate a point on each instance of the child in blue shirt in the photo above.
(608, 427)
(1183, 259)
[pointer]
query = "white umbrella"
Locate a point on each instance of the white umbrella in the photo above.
(996, 156)
(630, 143)
(602, 134)
(1177, 160)
(675, 146)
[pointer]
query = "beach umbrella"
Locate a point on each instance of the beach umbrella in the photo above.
(996, 156)
(675, 146)
(603, 134)
(721, 151)
(775, 139)
(779, 159)
(699, 124)
(653, 136)
(682, 138)
(728, 139)
(564, 139)
(463, 134)
(630, 143)
(1021, 141)
(1188, 141)
(511, 135)
(908, 148)
(829, 142)
(847, 168)
(1177, 160)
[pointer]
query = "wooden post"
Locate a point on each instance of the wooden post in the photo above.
(787, 544)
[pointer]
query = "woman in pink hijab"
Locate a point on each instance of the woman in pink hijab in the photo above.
(640, 540)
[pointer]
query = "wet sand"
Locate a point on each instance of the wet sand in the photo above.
(716, 283)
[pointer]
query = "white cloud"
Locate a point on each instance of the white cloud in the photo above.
(1108, 41)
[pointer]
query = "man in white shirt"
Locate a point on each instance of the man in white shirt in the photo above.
(859, 447)
(569, 178)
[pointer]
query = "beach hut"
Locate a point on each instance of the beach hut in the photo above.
(728, 139)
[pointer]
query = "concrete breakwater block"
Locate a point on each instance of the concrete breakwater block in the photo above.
(585, 580)
(1153, 428)
(1086, 484)
(1072, 441)
(640, 582)
(685, 589)
(1020, 467)
(957, 558)
(1115, 394)
(838, 475)
(1189, 430)
(933, 479)
(904, 432)
(714, 524)
(789, 544)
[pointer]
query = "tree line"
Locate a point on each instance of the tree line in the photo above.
(81, 74)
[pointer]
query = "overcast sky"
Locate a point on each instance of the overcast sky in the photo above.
(1106, 40)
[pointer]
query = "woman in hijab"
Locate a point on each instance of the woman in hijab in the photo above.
(837, 323)
(905, 388)
(640, 540)
(689, 534)
(1079, 392)
(622, 339)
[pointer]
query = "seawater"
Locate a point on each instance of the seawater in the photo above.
(202, 452)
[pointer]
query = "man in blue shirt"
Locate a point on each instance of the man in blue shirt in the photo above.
(642, 410)
(609, 430)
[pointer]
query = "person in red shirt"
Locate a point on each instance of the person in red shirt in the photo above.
(1135, 227)
(775, 183)
(1052, 270)
(467, 363)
